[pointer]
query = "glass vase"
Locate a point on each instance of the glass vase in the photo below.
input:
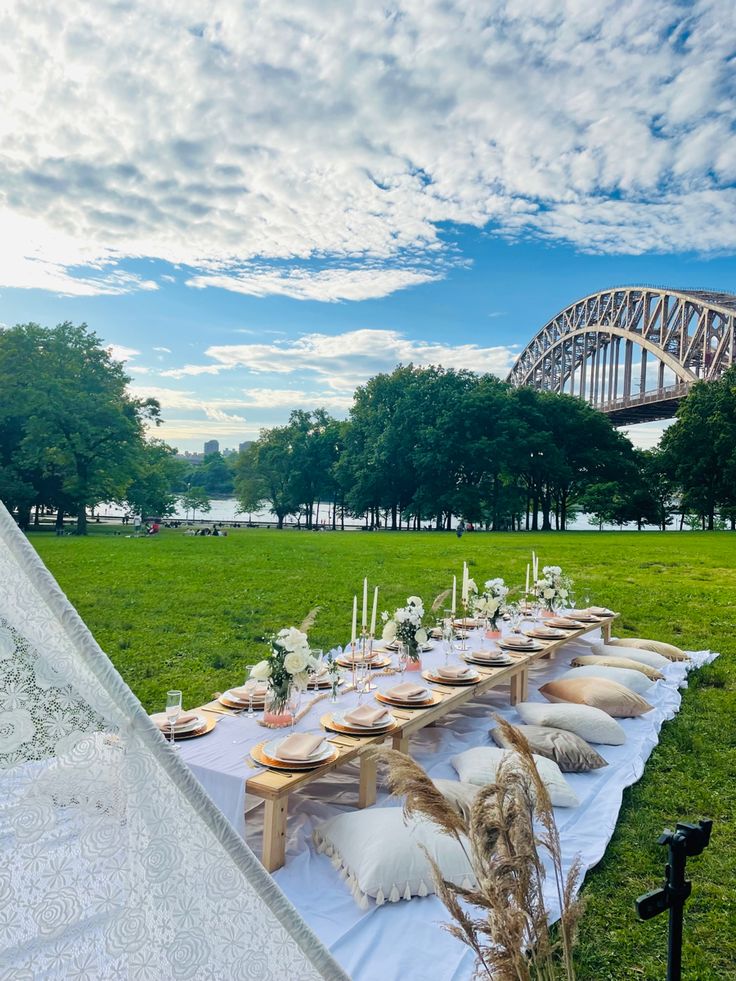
(276, 715)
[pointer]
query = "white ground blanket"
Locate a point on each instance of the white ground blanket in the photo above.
(399, 941)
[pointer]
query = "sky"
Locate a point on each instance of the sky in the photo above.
(260, 205)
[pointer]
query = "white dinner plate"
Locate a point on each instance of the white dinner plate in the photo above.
(339, 718)
(272, 749)
(196, 723)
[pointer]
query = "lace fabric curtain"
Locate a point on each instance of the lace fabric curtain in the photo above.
(113, 861)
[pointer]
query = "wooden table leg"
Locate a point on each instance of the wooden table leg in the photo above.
(368, 778)
(606, 631)
(401, 744)
(274, 833)
(520, 686)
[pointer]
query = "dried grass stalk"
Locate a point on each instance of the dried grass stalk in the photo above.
(504, 919)
(439, 600)
(308, 621)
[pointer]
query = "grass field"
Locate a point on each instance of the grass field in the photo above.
(189, 613)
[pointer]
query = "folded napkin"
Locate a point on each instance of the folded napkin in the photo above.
(598, 611)
(300, 746)
(244, 692)
(517, 642)
(489, 656)
(408, 691)
(453, 671)
(184, 719)
(364, 715)
(359, 656)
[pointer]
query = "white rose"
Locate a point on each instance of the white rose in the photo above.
(16, 728)
(414, 601)
(389, 632)
(295, 661)
(549, 593)
(472, 588)
(261, 671)
(563, 593)
(421, 636)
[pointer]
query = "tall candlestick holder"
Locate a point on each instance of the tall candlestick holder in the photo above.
(366, 642)
(464, 631)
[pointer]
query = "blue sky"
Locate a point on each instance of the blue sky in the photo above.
(262, 205)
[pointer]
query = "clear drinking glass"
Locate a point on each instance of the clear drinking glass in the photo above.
(318, 654)
(402, 656)
(173, 711)
(515, 616)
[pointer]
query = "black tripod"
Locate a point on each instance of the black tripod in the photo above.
(686, 840)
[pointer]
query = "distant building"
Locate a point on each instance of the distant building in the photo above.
(211, 446)
(245, 445)
(189, 457)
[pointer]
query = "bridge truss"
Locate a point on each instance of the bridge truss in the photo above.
(632, 352)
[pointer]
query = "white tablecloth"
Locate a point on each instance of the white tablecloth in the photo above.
(404, 940)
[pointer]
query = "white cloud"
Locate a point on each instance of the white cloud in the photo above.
(347, 133)
(328, 285)
(219, 415)
(646, 435)
(346, 360)
(289, 398)
(119, 352)
(163, 350)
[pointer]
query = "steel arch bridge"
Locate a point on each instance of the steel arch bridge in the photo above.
(633, 352)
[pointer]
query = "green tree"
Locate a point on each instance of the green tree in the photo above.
(67, 421)
(196, 499)
(156, 475)
(700, 447)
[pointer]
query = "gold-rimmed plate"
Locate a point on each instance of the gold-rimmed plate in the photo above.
(376, 664)
(437, 679)
(207, 726)
(563, 623)
(529, 649)
(259, 756)
(504, 662)
(545, 633)
(385, 699)
(328, 722)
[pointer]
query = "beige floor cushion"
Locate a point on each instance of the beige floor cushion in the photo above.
(460, 795)
(589, 723)
(633, 680)
(608, 696)
(617, 662)
(570, 752)
(669, 651)
(380, 856)
(479, 766)
(654, 660)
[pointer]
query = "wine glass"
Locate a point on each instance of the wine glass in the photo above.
(515, 616)
(173, 711)
(318, 654)
(292, 704)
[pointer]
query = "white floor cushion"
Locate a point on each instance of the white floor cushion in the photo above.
(460, 795)
(589, 723)
(644, 657)
(669, 651)
(380, 855)
(633, 680)
(480, 765)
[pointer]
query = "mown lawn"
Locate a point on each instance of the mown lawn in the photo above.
(189, 613)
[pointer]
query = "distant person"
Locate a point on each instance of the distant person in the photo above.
(137, 524)
(460, 529)
(154, 528)
(215, 531)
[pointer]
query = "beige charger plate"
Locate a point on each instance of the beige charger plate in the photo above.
(375, 665)
(209, 725)
(385, 700)
(260, 757)
(437, 679)
(327, 722)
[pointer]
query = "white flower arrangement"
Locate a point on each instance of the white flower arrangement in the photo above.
(554, 587)
(490, 603)
(287, 664)
(406, 625)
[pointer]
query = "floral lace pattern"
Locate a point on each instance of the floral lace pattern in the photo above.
(113, 862)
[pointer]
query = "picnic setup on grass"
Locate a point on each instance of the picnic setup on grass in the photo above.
(326, 815)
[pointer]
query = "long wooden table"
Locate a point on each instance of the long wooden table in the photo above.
(276, 787)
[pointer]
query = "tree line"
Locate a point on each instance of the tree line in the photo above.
(420, 447)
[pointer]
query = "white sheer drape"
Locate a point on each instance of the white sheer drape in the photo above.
(113, 862)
